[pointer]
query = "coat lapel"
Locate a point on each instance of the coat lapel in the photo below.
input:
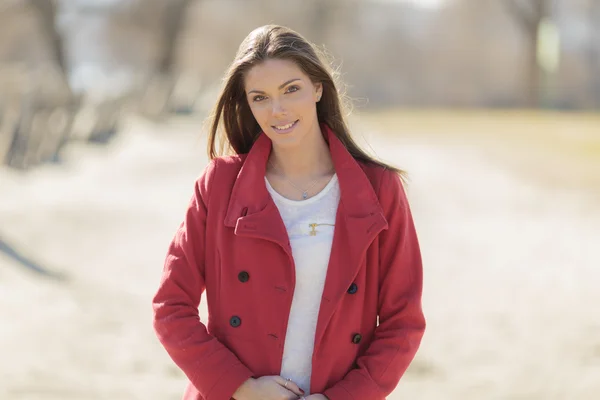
(252, 211)
(359, 220)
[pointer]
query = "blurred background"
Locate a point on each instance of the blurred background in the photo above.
(491, 106)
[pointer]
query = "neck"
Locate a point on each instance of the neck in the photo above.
(309, 158)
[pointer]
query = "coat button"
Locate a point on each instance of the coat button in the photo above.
(243, 276)
(353, 288)
(235, 321)
(356, 338)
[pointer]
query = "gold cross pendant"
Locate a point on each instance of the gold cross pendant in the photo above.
(313, 228)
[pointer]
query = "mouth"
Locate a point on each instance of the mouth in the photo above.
(285, 128)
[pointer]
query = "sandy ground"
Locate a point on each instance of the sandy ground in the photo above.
(512, 271)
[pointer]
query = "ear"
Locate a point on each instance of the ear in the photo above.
(318, 91)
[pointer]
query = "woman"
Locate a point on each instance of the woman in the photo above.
(304, 245)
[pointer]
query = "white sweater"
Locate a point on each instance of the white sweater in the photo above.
(311, 247)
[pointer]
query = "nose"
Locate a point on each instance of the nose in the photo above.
(278, 107)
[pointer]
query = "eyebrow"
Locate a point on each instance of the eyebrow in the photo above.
(280, 86)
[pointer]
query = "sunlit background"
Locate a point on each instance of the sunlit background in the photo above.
(491, 106)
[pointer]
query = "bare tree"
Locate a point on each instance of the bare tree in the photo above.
(174, 17)
(529, 14)
(321, 19)
(594, 51)
(164, 21)
(47, 10)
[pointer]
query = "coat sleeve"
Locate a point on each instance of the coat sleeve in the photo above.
(211, 367)
(401, 321)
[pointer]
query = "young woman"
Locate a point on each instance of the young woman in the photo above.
(303, 244)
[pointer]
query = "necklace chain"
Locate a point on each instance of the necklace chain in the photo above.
(304, 192)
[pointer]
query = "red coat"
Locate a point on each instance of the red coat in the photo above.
(233, 246)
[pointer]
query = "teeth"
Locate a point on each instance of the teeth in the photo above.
(285, 126)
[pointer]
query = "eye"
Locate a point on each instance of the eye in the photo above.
(258, 98)
(292, 89)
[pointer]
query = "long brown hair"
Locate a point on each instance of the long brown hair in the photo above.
(240, 129)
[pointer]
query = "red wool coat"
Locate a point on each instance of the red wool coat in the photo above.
(233, 247)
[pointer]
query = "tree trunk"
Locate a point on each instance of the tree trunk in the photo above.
(529, 18)
(173, 21)
(533, 76)
(322, 17)
(46, 10)
(594, 52)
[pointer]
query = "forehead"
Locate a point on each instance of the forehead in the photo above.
(271, 73)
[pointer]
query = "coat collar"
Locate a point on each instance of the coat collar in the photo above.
(250, 195)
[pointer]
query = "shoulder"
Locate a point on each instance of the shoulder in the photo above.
(229, 165)
(379, 175)
(387, 184)
(223, 167)
(220, 173)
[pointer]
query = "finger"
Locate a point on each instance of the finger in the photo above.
(291, 386)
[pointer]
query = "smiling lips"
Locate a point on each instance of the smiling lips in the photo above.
(284, 128)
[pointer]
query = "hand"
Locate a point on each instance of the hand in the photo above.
(268, 388)
(316, 397)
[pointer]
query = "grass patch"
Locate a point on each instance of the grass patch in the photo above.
(557, 148)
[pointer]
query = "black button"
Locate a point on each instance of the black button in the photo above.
(353, 288)
(235, 321)
(243, 276)
(356, 338)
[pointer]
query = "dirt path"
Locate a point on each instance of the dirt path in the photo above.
(511, 273)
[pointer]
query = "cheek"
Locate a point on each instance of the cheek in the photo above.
(307, 105)
(261, 113)
(301, 103)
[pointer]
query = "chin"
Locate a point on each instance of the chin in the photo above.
(286, 141)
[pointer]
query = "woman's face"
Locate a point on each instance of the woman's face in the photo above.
(283, 101)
